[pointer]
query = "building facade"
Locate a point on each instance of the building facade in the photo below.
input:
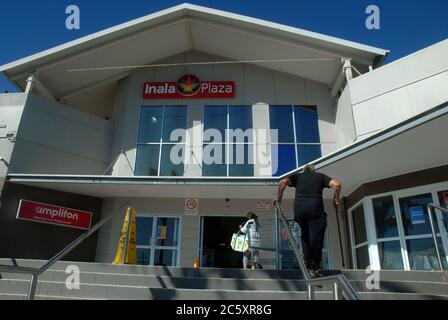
(195, 114)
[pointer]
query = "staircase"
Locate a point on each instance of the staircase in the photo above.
(107, 281)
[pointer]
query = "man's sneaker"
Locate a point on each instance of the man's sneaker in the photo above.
(315, 274)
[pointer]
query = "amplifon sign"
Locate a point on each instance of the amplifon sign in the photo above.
(50, 214)
(189, 87)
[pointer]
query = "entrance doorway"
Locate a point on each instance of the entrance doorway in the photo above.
(216, 235)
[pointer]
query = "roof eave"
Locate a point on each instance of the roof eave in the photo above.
(189, 10)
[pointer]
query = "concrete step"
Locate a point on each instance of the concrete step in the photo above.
(393, 275)
(107, 281)
(189, 294)
(165, 271)
(222, 283)
(167, 281)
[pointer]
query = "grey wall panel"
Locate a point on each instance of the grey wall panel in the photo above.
(54, 138)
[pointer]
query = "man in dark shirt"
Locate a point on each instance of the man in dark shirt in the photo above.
(309, 210)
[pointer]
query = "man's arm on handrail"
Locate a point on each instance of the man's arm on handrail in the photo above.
(281, 188)
(336, 186)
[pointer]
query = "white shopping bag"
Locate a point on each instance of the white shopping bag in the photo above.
(240, 242)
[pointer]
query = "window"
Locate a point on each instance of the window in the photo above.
(228, 141)
(360, 246)
(385, 217)
(389, 247)
(160, 147)
(297, 142)
(400, 233)
(158, 240)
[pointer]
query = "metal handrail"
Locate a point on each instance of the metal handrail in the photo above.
(433, 229)
(35, 272)
(339, 281)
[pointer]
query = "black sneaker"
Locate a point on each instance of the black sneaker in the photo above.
(315, 274)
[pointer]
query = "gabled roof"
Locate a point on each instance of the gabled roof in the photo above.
(182, 28)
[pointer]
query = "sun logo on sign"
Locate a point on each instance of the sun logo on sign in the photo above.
(188, 85)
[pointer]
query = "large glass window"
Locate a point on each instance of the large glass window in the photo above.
(404, 238)
(297, 141)
(385, 217)
(389, 247)
(359, 225)
(360, 247)
(390, 255)
(161, 141)
(414, 216)
(228, 141)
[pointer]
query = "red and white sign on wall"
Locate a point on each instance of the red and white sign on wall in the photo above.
(50, 214)
(191, 206)
(189, 87)
(263, 205)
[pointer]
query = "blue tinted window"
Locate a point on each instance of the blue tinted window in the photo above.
(283, 159)
(215, 117)
(240, 117)
(281, 119)
(214, 160)
(308, 153)
(240, 121)
(150, 124)
(174, 118)
(147, 162)
(242, 160)
(307, 128)
(144, 230)
(171, 163)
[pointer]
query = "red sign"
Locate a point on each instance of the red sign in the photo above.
(47, 213)
(189, 87)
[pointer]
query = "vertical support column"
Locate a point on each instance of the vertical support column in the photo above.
(310, 291)
(33, 286)
(348, 69)
(372, 239)
(30, 83)
(336, 292)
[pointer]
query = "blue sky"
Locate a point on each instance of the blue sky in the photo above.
(29, 26)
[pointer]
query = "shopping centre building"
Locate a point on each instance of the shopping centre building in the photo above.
(145, 111)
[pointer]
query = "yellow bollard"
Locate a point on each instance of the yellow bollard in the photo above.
(196, 263)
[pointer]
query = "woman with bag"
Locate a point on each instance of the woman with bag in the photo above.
(252, 227)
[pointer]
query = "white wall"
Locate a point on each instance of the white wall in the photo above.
(54, 138)
(396, 92)
(11, 109)
(345, 126)
(253, 85)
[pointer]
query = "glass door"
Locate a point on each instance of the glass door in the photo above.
(158, 240)
(419, 243)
